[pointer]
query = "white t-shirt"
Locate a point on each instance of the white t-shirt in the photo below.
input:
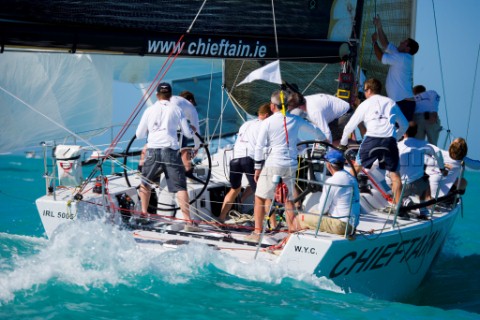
(445, 183)
(160, 122)
(427, 101)
(272, 136)
(323, 109)
(399, 81)
(188, 109)
(247, 139)
(412, 158)
(379, 115)
(190, 113)
(339, 201)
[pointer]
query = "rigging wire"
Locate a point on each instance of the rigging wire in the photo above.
(441, 72)
(364, 36)
(158, 78)
(473, 93)
(282, 101)
(275, 30)
(75, 135)
(314, 78)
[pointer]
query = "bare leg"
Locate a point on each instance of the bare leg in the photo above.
(396, 186)
(186, 159)
(259, 213)
(183, 200)
(145, 193)
(290, 216)
(227, 202)
(267, 206)
(246, 193)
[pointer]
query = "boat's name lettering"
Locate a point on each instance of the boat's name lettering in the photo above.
(382, 256)
(60, 215)
(209, 47)
(302, 249)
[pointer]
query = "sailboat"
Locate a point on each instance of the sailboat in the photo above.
(320, 46)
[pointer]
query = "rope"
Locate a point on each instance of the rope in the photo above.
(473, 93)
(441, 68)
(145, 97)
(158, 78)
(375, 184)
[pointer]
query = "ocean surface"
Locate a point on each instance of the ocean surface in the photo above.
(97, 272)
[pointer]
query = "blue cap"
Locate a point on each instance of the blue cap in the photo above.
(335, 156)
(164, 87)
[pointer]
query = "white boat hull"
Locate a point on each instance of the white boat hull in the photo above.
(385, 259)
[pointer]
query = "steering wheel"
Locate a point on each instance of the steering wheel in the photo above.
(204, 182)
(314, 157)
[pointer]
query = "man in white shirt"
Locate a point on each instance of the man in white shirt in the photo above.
(242, 161)
(186, 101)
(279, 134)
(426, 114)
(340, 200)
(329, 113)
(379, 114)
(159, 124)
(399, 81)
(441, 184)
(412, 166)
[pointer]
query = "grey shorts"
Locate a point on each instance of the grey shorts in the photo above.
(416, 187)
(167, 161)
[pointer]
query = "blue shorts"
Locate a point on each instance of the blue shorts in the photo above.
(241, 166)
(167, 161)
(408, 108)
(385, 150)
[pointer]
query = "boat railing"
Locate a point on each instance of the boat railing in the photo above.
(90, 152)
(321, 184)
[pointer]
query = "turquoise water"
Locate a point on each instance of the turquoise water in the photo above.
(97, 272)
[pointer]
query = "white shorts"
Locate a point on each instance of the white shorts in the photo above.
(266, 186)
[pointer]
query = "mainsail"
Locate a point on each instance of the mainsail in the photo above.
(218, 29)
(310, 38)
(317, 77)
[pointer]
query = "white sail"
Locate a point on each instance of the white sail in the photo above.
(41, 94)
(72, 90)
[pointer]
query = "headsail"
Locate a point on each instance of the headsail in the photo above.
(75, 91)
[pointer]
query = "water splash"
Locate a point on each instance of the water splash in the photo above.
(95, 254)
